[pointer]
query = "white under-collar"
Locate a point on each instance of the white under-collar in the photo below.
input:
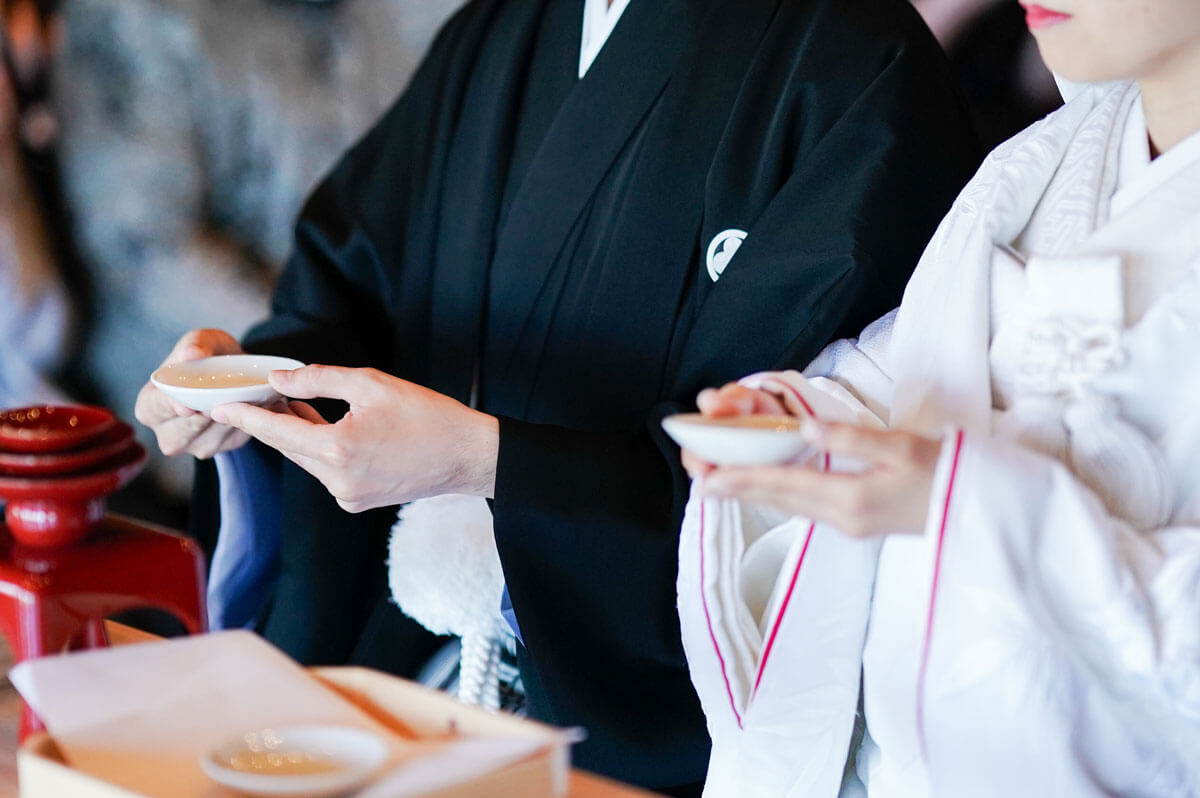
(1135, 147)
(1137, 175)
(599, 19)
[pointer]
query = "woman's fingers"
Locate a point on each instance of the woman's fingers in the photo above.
(735, 399)
(872, 447)
(835, 498)
(890, 494)
(717, 403)
(769, 404)
(731, 400)
(695, 466)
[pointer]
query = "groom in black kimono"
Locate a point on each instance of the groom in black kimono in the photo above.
(562, 250)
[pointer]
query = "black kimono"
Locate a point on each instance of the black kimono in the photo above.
(544, 242)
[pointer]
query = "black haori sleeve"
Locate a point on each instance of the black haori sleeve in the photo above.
(353, 294)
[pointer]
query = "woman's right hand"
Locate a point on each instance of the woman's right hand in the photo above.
(179, 429)
(733, 399)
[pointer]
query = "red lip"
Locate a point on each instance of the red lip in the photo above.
(1038, 17)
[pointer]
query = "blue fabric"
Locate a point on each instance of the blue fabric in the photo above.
(246, 561)
(509, 614)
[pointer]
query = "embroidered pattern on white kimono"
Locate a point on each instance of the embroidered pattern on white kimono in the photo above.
(1043, 635)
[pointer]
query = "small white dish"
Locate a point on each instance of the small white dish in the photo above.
(204, 384)
(308, 761)
(738, 440)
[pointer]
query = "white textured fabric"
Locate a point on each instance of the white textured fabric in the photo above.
(747, 592)
(1043, 636)
(444, 571)
(600, 17)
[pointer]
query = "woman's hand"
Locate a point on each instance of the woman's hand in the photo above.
(733, 399)
(398, 443)
(180, 430)
(890, 494)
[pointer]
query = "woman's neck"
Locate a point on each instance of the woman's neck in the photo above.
(1171, 99)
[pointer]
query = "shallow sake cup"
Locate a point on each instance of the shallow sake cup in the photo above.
(300, 760)
(738, 440)
(204, 384)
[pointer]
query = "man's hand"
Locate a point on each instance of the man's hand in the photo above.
(398, 443)
(180, 430)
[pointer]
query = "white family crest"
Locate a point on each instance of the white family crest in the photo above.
(722, 249)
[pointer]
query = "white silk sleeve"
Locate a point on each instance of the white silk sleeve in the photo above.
(1042, 601)
(858, 367)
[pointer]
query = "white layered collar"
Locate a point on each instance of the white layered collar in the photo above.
(599, 19)
(1137, 175)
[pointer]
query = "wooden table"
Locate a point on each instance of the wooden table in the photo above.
(583, 785)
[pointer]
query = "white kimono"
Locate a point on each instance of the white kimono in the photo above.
(1042, 637)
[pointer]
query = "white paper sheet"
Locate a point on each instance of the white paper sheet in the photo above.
(139, 716)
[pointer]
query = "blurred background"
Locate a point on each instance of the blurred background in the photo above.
(154, 154)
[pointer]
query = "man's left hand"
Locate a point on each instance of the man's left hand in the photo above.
(399, 441)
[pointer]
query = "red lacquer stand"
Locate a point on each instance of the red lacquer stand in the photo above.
(65, 565)
(55, 600)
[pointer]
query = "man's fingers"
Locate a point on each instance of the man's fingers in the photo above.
(316, 468)
(234, 439)
(199, 344)
(306, 411)
(153, 407)
(354, 386)
(215, 439)
(205, 444)
(180, 410)
(176, 437)
(287, 433)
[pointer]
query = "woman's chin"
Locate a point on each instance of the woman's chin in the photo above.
(1078, 70)
(1081, 64)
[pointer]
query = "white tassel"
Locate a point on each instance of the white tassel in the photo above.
(444, 571)
(1119, 463)
(479, 671)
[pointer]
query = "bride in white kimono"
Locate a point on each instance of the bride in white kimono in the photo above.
(1004, 582)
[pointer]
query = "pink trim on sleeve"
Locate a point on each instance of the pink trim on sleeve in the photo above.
(762, 665)
(787, 598)
(766, 655)
(708, 619)
(937, 571)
